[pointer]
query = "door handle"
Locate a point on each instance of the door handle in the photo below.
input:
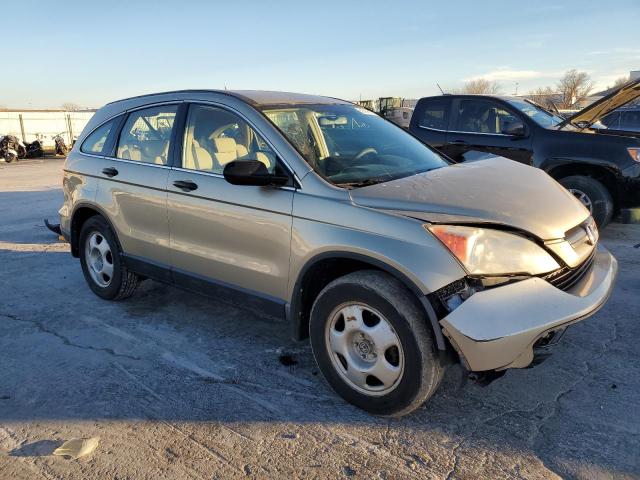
(458, 142)
(110, 172)
(185, 185)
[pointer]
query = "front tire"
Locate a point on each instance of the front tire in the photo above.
(372, 344)
(102, 262)
(593, 195)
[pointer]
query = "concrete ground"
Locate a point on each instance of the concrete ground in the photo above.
(178, 386)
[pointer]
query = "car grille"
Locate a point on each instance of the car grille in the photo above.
(565, 278)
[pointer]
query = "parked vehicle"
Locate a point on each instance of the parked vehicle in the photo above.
(395, 110)
(600, 167)
(11, 148)
(625, 119)
(34, 149)
(390, 258)
(60, 146)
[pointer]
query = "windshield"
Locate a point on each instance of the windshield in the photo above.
(351, 146)
(539, 115)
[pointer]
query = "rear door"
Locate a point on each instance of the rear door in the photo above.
(133, 186)
(430, 121)
(228, 239)
(477, 132)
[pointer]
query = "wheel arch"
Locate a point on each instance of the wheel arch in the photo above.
(325, 267)
(81, 213)
(605, 174)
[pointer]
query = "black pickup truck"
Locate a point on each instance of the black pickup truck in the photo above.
(600, 167)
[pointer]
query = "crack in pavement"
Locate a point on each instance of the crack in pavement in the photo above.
(65, 340)
(587, 370)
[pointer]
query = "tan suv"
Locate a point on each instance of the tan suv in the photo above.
(394, 261)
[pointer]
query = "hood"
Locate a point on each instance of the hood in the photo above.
(496, 191)
(607, 104)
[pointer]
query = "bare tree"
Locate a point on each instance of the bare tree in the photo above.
(620, 82)
(70, 106)
(543, 96)
(481, 86)
(574, 87)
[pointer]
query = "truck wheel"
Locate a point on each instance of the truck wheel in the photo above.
(372, 344)
(593, 195)
(101, 261)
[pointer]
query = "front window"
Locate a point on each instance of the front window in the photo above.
(483, 116)
(542, 117)
(351, 146)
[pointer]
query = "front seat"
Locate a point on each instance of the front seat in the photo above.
(197, 158)
(224, 150)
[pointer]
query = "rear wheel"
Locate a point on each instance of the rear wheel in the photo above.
(101, 261)
(593, 195)
(372, 344)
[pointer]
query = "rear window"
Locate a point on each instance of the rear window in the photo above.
(146, 134)
(435, 114)
(95, 143)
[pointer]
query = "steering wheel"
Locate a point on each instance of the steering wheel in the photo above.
(364, 152)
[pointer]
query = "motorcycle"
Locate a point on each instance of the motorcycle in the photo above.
(34, 149)
(61, 146)
(12, 149)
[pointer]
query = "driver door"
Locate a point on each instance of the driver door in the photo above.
(232, 238)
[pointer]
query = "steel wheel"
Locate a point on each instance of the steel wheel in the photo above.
(583, 197)
(99, 259)
(364, 349)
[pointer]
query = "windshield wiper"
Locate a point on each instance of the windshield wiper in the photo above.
(362, 183)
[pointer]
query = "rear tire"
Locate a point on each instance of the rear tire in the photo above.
(368, 322)
(102, 262)
(593, 195)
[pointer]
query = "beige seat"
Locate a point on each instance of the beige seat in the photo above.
(224, 150)
(129, 152)
(197, 158)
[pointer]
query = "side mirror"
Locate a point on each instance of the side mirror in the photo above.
(515, 129)
(252, 172)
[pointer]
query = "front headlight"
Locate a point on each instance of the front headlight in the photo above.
(484, 251)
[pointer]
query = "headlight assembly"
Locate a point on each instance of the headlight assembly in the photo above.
(484, 251)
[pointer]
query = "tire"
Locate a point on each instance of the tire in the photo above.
(374, 294)
(593, 195)
(102, 263)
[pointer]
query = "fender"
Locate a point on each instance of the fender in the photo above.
(293, 309)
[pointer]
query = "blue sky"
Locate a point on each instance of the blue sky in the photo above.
(348, 49)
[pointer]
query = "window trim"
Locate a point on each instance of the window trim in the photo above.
(296, 183)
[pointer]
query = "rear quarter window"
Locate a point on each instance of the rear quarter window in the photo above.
(96, 141)
(435, 114)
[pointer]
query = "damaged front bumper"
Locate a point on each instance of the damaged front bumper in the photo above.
(499, 328)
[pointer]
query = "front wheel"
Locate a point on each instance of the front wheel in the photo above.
(593, 195)
(101, 261)
(371, 342)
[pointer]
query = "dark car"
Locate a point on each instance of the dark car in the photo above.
(599, 166)
(625, 119)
